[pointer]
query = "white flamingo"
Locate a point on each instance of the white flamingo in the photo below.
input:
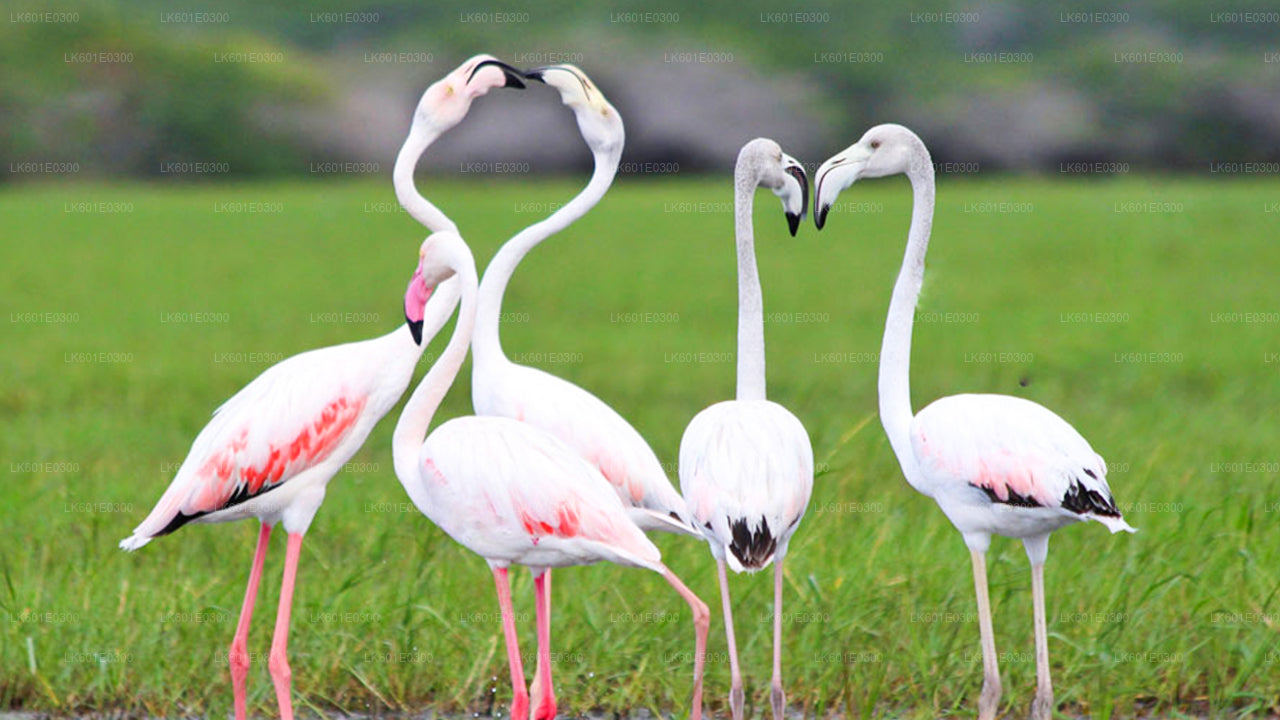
(746, 465)
(500, 387)
(995, 464)
(514, 494)
(270, 451)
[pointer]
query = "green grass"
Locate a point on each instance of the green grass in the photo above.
(391, 615)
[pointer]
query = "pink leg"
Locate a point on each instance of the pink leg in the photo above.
(238, 656)
(701, 623)
(278, 662)
(542, 686)
(519, 696)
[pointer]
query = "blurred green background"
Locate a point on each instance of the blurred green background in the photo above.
(131, 88)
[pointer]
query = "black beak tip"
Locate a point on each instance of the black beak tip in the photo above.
(415, 329)
(820, 217)
(534, 75)
(793, 222)
(514, 77)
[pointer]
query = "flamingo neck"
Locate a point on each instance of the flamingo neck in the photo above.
(486, 345)
(411, 429)
(895, 352)
(751, 375)
(420, 138)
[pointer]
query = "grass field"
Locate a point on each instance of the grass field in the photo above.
(132, 311)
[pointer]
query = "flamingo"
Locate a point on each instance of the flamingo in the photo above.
(270, 451)
(746, 465)
(995, 464)
(514, 494)
(502, 388)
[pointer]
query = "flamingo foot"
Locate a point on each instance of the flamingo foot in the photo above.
(520, 706)
(989, 700)
(779, 701)
(546, 709)
(1042, 706)
(282, 678)
(737, 698)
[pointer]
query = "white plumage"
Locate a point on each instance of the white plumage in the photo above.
(747, 461)
(278, 441)
(1004, 465)
(595, 431)
(516, 495)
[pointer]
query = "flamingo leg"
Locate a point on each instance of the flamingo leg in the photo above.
(278, 662)
(989, 700)
(701, 624)
(1042, 706)
(238, 655)
(519, 696)
(777, 697)
(736, 697)
(542, 690)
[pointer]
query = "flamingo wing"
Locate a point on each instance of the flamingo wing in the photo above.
(1015, 451)
(511, 492)
(288, 420)
(594, 430)
(746, 472)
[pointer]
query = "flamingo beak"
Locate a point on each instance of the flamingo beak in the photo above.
(793, 219)
(514, 76)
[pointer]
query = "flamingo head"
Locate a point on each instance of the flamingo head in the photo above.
(600, 123)
(438, 258)
(883, 150)
(782, 174)
(448, 99)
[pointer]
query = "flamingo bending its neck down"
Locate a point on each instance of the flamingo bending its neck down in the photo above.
(995, 464)
(746, 465)
(514, 494)
(500, 387)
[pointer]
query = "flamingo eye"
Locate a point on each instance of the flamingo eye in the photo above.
(875, 144)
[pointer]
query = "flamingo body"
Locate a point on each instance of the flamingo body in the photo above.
(516, 495)
(1003, 465)
(271, 449)
(746, 471)
(591, 428)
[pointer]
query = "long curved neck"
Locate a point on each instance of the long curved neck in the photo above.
(486, 346)
(895, 352)
(411, 429)
(751, 383)
(420, 138)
